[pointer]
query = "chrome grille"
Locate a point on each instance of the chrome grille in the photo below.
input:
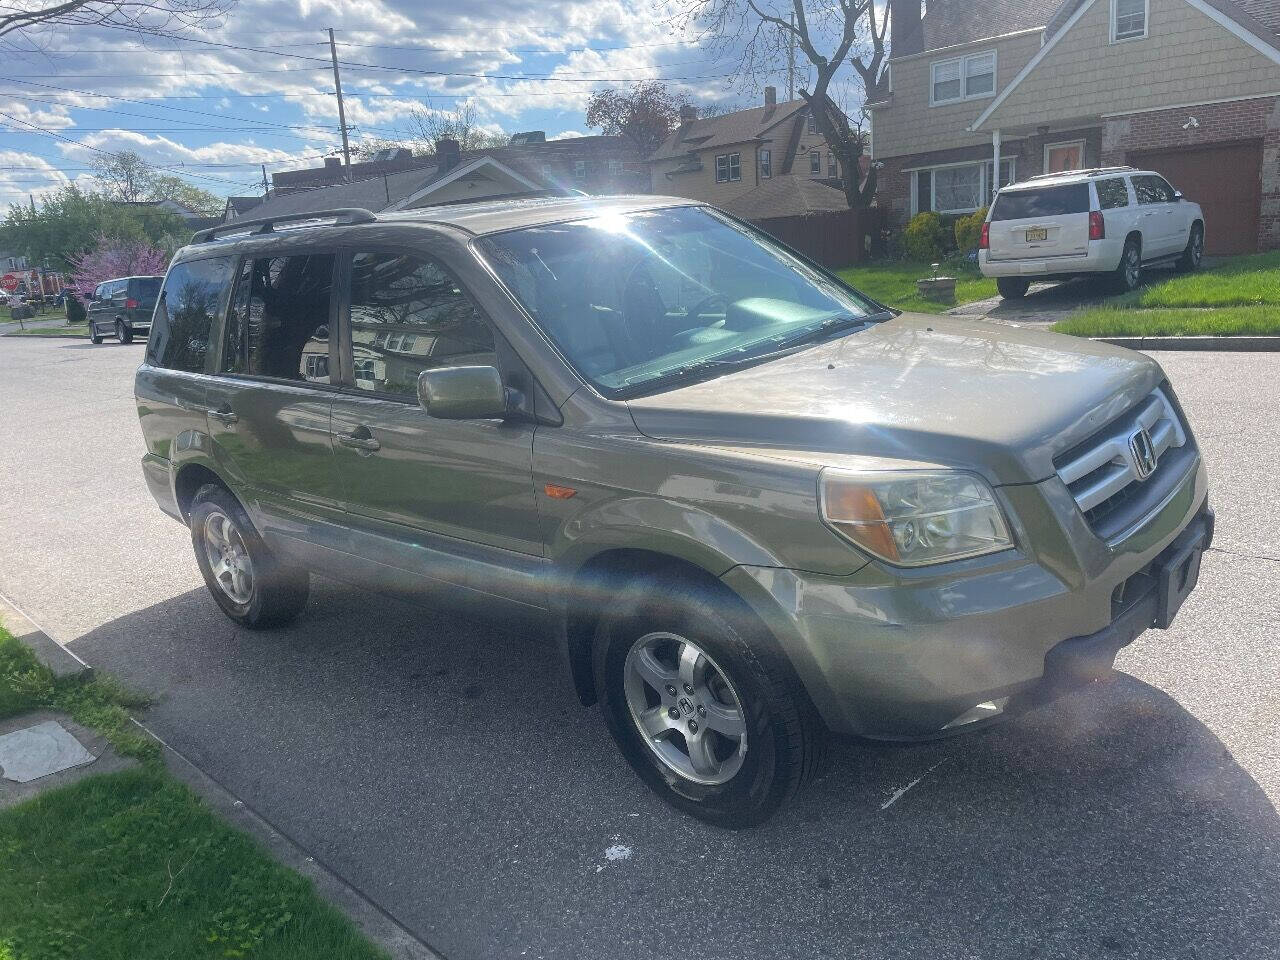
(1104, 472)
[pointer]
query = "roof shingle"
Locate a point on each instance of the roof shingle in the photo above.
(741, 126)
(788, 196)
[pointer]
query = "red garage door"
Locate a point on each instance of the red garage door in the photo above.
(1226, 181)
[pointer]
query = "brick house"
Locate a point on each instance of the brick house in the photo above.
(1190, 88)
(721, 159)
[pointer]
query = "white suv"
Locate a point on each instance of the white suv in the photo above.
(1115, 220)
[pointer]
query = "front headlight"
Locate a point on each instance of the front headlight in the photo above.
(913, 518)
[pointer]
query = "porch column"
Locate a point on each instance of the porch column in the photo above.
(995, 170)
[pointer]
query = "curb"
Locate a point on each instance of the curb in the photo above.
(48, 651)
(47, 336)
(374, 922)
(1211, 344)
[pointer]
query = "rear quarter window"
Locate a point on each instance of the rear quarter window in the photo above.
(194, 293)
(1112, 194)
(1043, 202)
(145, 287)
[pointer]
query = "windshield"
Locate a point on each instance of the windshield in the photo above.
(635, 299)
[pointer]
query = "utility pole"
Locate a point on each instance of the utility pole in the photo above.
(342, 114)
(266, 186)
(791, 60)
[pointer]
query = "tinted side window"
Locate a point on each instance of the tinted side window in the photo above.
(278, 325)
(194, 292)
(1152, 189)
(1045, 202)
(408, 314)
(144, 287)
(1112, 194)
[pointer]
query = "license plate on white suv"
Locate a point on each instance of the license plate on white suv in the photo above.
(1038, 234)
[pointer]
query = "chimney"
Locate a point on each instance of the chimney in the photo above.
(905, 35)
(332, 163)
(448, 152)
(770, 96)
(688, 114)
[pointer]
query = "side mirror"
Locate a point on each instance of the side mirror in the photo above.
(1177, 196)
(463, 393)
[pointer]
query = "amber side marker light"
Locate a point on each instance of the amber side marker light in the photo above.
(557, 492)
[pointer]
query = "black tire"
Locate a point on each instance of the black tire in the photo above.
(1193, 254)
(1012, 288)
(94, 336)
(278, 591)
(1128, 274)
(785, 740)
(123, 333)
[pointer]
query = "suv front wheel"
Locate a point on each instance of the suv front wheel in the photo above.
(706, 714)
(1194, 252)
(244, 577)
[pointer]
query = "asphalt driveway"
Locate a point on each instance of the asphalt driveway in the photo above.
(437, 761)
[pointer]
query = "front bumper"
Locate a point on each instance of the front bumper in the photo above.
(905, 655)
(1103, 257)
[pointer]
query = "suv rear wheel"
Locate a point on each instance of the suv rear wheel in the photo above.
(706, 714)
(1012, 288)
(1194, 253)
(123, 333)
(246, 579)
(1128, 273)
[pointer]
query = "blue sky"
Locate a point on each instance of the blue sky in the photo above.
(259, 88)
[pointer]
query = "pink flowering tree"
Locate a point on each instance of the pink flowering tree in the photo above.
(111, 258)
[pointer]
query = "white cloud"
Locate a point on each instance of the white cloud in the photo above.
(23, 174)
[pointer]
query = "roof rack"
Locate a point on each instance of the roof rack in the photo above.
(1082, 173)
(342, 215)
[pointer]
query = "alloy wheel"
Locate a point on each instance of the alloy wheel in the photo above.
(1132, 267)
(228, 558)
(1197, 248)
(685, 708)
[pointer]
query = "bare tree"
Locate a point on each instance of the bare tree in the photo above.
(144, 15)
(426, 126)
(124, 176)
(829, 34)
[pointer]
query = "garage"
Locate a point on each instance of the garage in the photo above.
(1226, 181)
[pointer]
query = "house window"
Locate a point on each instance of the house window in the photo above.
(728, 167)
(815, 163)
(958, 188)
(964, 78)
(766, 164)
(580, 169)
(615, 168)
(811, 123)
(1128, 19)
(832, 172)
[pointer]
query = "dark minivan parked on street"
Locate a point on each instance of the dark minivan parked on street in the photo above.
(123, 307)
(753, 504)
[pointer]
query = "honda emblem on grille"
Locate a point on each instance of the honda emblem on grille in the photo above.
(1144, 453)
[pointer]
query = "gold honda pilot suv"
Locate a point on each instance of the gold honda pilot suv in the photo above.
(754, 505)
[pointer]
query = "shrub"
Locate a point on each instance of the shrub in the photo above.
(926, 238)
(968, 229)
(75, 311)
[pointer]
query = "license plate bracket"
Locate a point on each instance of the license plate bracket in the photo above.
(1037, 235)
(1178, 576)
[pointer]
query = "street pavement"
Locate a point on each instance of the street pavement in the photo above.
(437, 761)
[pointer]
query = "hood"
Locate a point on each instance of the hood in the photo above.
(971, 394)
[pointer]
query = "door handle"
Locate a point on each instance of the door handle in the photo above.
(223, 415)
(359, 439)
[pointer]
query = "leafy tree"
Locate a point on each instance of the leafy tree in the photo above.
(830, 36)
(70, 221)
(166, 187)
(643, 115)
(111, 258)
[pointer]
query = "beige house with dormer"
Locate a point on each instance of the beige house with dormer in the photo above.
(721, 159)
(1190, 88)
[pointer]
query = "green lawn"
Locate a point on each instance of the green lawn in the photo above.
(1239, 296)
(1180, 322)
(132, 865)
(894, 284)
(82, 330)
